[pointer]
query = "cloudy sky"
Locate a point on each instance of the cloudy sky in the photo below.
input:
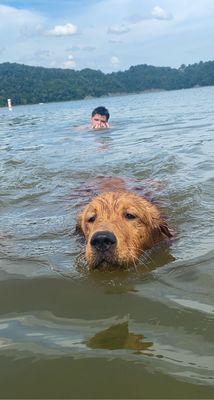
(109, 35)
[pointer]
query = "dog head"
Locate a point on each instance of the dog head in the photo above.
(118, 227)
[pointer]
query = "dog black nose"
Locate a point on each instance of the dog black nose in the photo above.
(103, 240)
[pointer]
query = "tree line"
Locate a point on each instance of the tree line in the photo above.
(28, 85)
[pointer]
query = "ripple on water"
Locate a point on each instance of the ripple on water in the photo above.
(158, 319)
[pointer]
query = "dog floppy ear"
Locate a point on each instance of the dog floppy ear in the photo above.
(165, 229)
(155, 220)
(161, 229)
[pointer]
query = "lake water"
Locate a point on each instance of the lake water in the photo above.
(68, 333)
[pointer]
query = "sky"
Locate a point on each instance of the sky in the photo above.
(106, 35)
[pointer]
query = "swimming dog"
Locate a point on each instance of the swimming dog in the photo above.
(118, 227)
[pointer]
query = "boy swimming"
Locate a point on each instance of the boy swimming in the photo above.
(99, 118)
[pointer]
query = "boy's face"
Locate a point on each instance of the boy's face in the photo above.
(99, 121)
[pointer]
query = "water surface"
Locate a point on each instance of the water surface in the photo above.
(67, 333)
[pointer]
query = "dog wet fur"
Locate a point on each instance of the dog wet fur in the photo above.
(118, 228)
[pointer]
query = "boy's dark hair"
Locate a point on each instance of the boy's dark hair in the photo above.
(101, 111)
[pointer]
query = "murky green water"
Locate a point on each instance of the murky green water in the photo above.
(67, 333)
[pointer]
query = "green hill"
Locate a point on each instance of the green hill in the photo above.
(27, 85)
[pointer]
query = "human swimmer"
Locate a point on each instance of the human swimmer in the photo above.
(99, 118)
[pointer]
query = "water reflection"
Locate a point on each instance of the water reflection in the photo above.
(118, 337)
(43, 336)
(104, 140)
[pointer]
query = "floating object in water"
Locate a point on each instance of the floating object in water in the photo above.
(9, 104)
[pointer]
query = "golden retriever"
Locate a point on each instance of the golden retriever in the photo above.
(118, 227)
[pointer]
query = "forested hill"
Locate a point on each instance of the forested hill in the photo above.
(25, 84)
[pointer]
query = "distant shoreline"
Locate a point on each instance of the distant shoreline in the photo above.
(26, 85)
(107, 96)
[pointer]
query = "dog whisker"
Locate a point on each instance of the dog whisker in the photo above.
(148, 257)
(135, 266)
(138, 259)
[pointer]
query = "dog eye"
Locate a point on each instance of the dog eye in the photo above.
(92, 219)
(129, 216)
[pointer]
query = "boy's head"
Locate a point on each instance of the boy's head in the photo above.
(100, 117)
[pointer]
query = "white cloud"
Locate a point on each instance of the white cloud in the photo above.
(160, 13)
(118, 29)
(13, 19)
(69, 64)
(152, 32)
(62, 30)
(115, 62)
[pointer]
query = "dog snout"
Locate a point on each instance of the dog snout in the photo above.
(103, 241)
